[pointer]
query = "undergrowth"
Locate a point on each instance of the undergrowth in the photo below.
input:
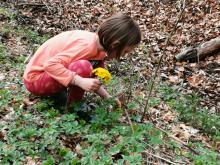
(42, 132)
(191, 112)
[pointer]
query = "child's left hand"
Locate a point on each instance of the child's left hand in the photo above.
(121, 99)
(118, 102)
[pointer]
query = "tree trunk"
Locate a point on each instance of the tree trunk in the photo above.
(198, 53)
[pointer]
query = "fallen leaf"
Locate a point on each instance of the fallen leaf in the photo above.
(2, 76)
(184, 132)
(169, 116)
(195, 80)
(174, 79)
(27, 102)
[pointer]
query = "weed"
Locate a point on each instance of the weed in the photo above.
(7, 13)
(104, 119)
(39, 130)
(31, 36)
(190, 111)
(2, 53)
(206, 157)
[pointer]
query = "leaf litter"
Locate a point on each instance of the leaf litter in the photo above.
(156, 19)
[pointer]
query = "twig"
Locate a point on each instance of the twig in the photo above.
(168, 161)
(129, 120)
(155, 150)
(29, 4)
(218, 2)
(127, 101)
(82, 2)
(47, 6)
(160, 60)
(130, 85)
(67, 105)
(151, 163)
(27, 58)
(178, 140)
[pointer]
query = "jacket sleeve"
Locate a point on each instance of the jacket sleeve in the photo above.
(57, 66)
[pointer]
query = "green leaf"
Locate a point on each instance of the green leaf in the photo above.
(50, 161)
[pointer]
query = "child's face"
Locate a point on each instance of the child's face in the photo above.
(125, 51)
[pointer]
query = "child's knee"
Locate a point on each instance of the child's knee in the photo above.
(82, 68)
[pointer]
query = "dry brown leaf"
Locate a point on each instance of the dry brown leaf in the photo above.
(2, 76)
(31, 161)
(27, 101)
(169, 116)
(181, 68)
(78, 148)
(174, 79)
(195, 80)
(184, 132)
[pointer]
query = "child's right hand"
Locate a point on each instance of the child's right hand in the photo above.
(88, 84)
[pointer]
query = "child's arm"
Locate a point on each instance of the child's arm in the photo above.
(92, 85)
(104, 94)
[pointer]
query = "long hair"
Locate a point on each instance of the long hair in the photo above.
(121, 28)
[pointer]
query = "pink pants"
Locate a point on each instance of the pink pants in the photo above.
(47, 86)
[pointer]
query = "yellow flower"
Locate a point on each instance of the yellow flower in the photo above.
(103, 74)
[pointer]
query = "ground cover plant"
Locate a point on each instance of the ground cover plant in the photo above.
(177, 128)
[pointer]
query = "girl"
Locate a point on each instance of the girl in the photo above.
(67, 60)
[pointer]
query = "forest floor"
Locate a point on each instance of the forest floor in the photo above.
(182, 123)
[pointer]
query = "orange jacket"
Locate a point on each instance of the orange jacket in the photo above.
(55, 55)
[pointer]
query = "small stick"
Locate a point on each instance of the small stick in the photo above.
(130, 85)
(178, 140)
(166, 153)
(160, 60)
(129, 120)
(168, 161)
(127, 101)
(47, 6)
(29, 4)
(27, 58)
(82, 2)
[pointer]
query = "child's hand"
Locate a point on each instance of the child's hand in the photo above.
(118, 102)
(121, 99)
(88, 84)
(104, 94)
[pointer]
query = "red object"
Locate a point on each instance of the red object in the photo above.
(46, 85)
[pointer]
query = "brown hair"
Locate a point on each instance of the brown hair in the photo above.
(119, 28)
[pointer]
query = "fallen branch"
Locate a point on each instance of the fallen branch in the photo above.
(168, 161)
(161, 57)
(129, 120)
(199, 52)
(47, 6)
(126, 101)
(178, 140)
(29, 4)
(27, 58)
(155, 150)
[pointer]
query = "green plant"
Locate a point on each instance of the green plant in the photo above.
(190, 110)
(104, 119)
(45, 132)
(206, 157)
(31, 35)
(8, 13)
(50, 161)
(2, 53)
